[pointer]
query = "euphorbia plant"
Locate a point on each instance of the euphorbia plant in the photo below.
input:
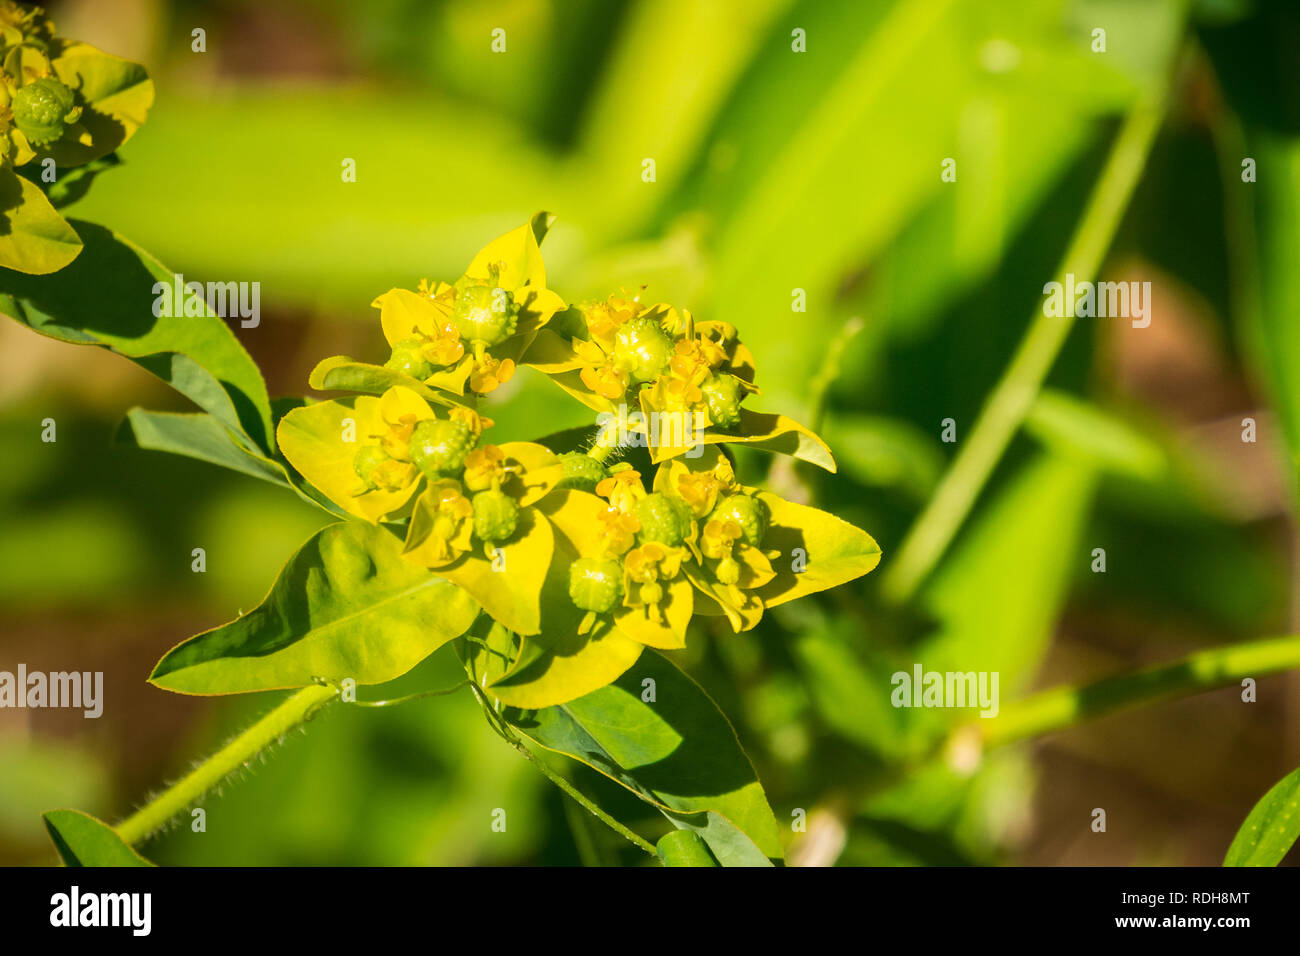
(558, 568)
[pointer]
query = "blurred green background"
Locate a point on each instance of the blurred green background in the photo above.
(776, 170)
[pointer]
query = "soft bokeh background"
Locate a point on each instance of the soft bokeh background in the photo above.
(776, 170)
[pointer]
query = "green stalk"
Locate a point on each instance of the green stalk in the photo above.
(1063, 707)
(1011, 399)
(296, 709)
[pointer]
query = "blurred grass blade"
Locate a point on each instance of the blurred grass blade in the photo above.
(84, 841)
(1075, 426)
(1005, 408)
(1271, 828)
(1063, 707)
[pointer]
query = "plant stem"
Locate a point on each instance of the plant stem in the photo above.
(296, 709)
(1063, 707)
(1011, 400)
(829, 371)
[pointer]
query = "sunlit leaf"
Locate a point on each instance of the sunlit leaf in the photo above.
(347, 605)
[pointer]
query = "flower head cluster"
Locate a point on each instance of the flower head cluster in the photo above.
(583, 560)
(468, 335)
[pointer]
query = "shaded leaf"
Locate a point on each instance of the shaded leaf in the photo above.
(106, 296)
(677, 752)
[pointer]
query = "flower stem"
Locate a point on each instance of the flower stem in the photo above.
(1015, 393)
(293, 711)
(1063, 707)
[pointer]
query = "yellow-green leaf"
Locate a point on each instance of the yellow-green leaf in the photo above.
(34, 239)
(347, 605)
(830, 551)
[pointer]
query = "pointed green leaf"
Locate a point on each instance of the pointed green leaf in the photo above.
(84, 841)
(347, 605)
(1271, 828)
(674, 749)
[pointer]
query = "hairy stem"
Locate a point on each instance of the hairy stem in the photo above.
(1011, 399)
(297, 708)
(1063, 707)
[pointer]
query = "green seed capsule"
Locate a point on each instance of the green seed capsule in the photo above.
(439, 447)
(580, 471)
(43, 108)
(642, 349)
(366, 460)
(485, 313)
(595, 584)
(723, 394)
(496, 515)
(663, 519)
(750, 513)
(408, 359)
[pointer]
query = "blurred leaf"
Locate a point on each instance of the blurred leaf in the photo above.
(84, 841)
(677, 752)
(1271, 828)
(347, 605)
(1073, 426)
(1012, 567)
(886, 453)
(684, 848)
(35, 239)
(106, 298)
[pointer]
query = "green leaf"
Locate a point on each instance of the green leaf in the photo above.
(1271, 828)
(684, 848)
(34, 239)
(1073, 426)
(778, 434)
(196, 435)
(84, 841)
(105, 297)
(677, 752)
(347, 605)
